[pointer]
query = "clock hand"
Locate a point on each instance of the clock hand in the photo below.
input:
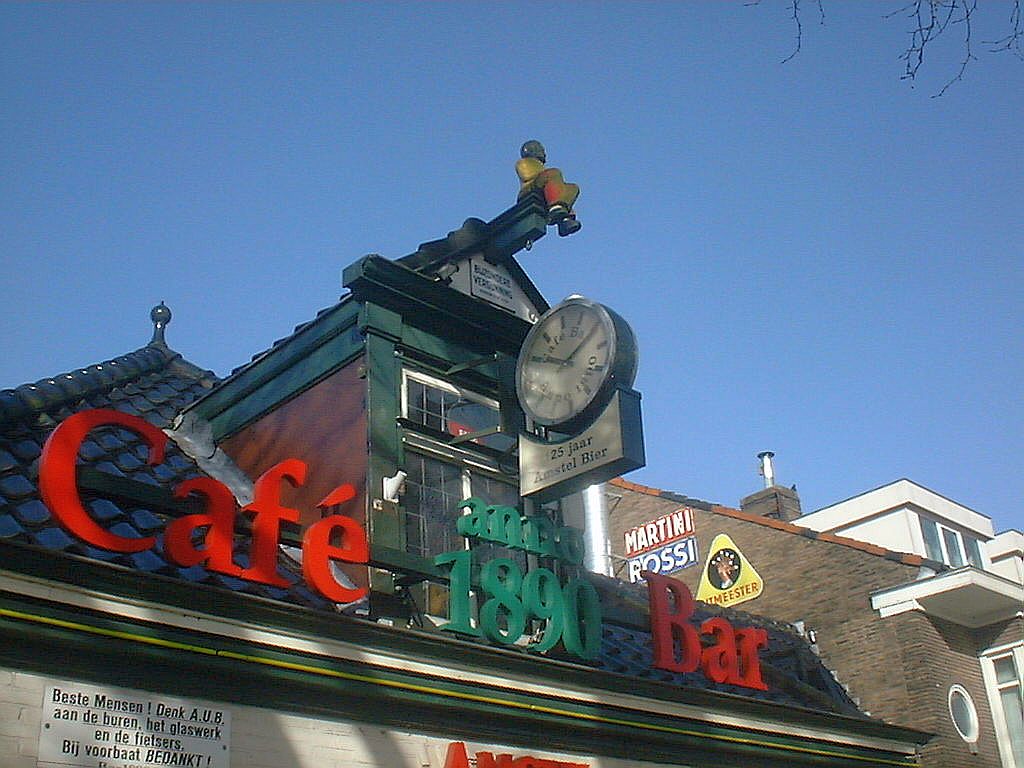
(586, 338)
(547, 359)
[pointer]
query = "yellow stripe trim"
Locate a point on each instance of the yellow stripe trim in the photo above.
(325, 672)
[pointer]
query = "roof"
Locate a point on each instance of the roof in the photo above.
(899, 494)
(798, 530)
(132, 499)
(120, 489)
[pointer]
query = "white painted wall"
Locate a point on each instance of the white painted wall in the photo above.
(897, 530)
(840, 516)
(1006, 551)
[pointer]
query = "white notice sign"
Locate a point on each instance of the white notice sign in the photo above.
(86, 726)
(492, 283)
(611, 445)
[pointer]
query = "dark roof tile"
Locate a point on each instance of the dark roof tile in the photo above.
(104, 510)
(16, 487)
(148, 561)
(70, 385)
(127, 461)
(195, 573)
(108, 440)
(7, 461)
(99, 554)
(110, 469)
(32, 512)
(126, 530)
(90, 450)
(52, 538)
(26, 450)
(9, 527)
(146, 521)
(11, 406)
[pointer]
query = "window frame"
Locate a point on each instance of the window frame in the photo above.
(472, 460)
(993, 690)
(943, 532)
(972, 711)
(429, 380)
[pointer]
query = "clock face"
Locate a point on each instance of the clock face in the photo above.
(569, 360)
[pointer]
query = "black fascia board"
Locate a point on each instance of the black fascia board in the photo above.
(498, 240)
(73, 571)
(434, 306)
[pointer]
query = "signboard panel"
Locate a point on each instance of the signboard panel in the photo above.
(492, 284)
(610, 446)
(728, 577)
(668, 559)
(86, 726)
(659, 532)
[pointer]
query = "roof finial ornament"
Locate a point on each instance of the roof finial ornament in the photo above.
(161, 316)
(558, 194)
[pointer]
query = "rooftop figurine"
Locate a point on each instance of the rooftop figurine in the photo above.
(559, 195)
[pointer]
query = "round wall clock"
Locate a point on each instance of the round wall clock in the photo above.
(571, 362)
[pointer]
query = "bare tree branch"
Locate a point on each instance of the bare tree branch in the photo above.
(1012, 42)
(795, 9)
(799, 30)
(929, 20)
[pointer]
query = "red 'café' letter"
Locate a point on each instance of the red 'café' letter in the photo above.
(218, 540)
(668, 626)
(266, 526)
(57, 481)
(318, 551)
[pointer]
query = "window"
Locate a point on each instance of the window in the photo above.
(448, 410)
(973, 552)
(952, 542)
(949, 546)
(1004, 677)
(442, 471)
(964, 714)
(433, 490)
(932, 544)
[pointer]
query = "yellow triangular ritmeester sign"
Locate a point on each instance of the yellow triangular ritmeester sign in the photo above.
(728, 577)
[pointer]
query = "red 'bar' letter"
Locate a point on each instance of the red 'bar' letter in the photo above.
(669, 626)
(266, 527)
(750, 640)
(58, 485)
(719, 661)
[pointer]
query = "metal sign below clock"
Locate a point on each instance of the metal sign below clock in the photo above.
(573, 378)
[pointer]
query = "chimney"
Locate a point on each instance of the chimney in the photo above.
(774, 501)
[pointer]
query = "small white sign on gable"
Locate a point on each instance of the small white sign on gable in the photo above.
(494, 284)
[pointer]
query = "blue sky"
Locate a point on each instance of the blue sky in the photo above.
(818, 258)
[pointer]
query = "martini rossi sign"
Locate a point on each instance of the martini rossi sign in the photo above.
(664, 545)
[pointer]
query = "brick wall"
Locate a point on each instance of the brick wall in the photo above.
(898, 669)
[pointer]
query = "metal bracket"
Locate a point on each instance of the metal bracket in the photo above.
(459, 440)
(460, 367)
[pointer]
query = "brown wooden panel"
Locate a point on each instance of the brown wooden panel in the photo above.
(325, 427)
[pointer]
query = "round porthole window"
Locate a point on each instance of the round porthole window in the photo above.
(964, 714)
